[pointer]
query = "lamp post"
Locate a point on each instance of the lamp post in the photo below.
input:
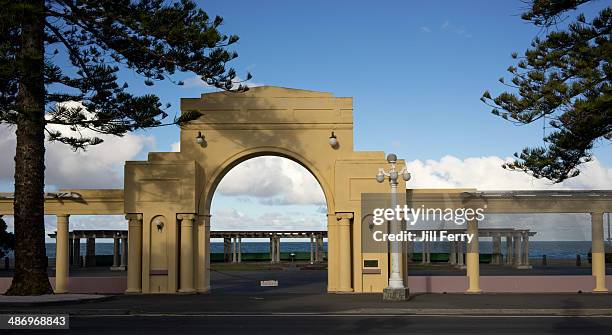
(396, 289)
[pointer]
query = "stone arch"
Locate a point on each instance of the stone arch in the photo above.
(231, 162)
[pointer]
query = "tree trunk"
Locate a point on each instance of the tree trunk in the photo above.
(30, 276)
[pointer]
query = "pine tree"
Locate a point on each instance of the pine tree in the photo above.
(564, 80)
(154, 38)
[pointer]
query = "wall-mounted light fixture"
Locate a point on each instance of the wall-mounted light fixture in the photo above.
(159, 225)
(200, 140)
(333, 140)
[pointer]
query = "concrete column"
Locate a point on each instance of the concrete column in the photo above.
(227, 249)
(473, 258)
(239, 249)
(524, 260)
(90, 252)
(598, 254)
(517, 250)
(76, 246)
(320, 249)
(277, 248)
(460, 255)
(423, 252)
(61, 254)
(496, 256)
(344, 236)
(186, 263)
(410, 249)
(452, 255)
(116, 252)
(124, 253)
(234, 249)
(70, 250)
(312, 249)
(509, 249)
(203, 259)
(134, 273)
(272, 251)
(428, 244)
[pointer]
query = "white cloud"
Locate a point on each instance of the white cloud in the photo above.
(175, 147)
(425, 29)
(232, 219)
(456, 29)
(486, 173)
(101, 166)
(273, 181)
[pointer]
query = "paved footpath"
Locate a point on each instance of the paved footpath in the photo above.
(268, 302)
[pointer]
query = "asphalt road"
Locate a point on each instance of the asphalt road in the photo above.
(331, 324)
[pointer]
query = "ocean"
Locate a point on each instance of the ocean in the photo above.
(552, 249)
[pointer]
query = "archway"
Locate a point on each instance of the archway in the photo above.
(314, 129)
(268, 224)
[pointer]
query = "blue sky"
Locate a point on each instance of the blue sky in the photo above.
(416, 71)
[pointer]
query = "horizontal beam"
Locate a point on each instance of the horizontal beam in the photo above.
(80, 202)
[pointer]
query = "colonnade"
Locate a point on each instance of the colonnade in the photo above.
(517, 249)
(232, 246)
(517, 246)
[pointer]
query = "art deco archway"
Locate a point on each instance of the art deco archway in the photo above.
(294, 124)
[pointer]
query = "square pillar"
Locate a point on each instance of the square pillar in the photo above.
(234, 249)
(186, 280)
(423, 252)
(278, 249)
(473, 258)
(124, 252)
(460, 255)
(239, 249)
(61, 254)
(134, 273)
(524, 253)
(598, 254)
(452, 255)
(311, 249)
(496, 257)
(116, 256)
(76, 251)
(90, 252)
(517, 258)
(509, 249)
(227, 249)
(272, 252)
(70, 250)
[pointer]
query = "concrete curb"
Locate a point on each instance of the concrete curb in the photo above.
(487, 311)
(534, 312)
(50, 302)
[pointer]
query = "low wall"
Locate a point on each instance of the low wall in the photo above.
(101, 285)
(417, 284)
(505, 284)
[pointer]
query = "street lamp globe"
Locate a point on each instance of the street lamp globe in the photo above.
(406, 176)
(391, 158)
(380, 177)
